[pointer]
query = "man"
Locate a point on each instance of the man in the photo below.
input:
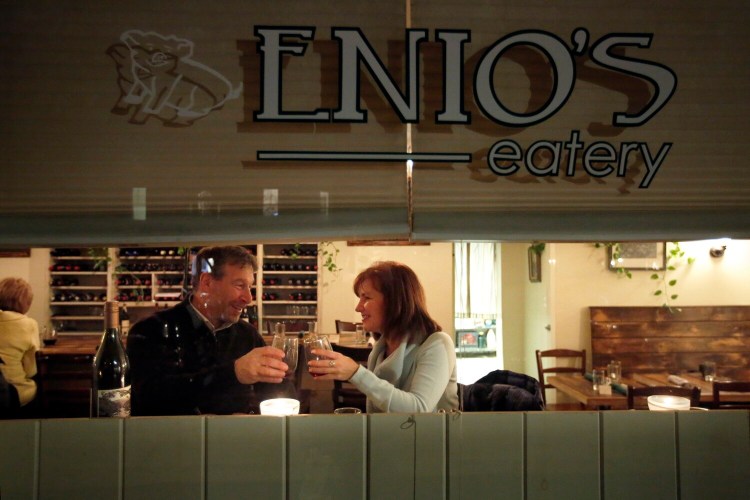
(197, 357)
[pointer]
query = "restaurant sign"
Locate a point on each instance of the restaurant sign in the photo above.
(158, 77)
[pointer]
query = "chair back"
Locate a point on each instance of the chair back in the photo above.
(344, 393)
(721, 401)
(576, 363)
(345, 326)
(637, 395)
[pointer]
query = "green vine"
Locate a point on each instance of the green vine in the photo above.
(673, 258)
(666, 281)
(615, 251)
(537, 248)
(330, 253)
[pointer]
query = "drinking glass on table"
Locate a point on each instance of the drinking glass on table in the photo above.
(290, 345)
(614, 371)
(599, 378)
(709, 371)
(359, 334)
(279, 328)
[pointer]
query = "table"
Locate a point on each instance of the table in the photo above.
(64, 376)
(707, 394)
(580, 388)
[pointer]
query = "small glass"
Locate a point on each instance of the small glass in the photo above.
(290, 346)
(599, 379)
(709, 371)
(614, 370)
(347, 411)
(279, 328)
(359, 335)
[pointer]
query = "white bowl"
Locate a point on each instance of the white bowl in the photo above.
(279, 407)
(668, 403)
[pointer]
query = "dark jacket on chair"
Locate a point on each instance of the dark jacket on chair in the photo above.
(503, 390)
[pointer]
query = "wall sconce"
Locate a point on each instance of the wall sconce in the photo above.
(718, 248)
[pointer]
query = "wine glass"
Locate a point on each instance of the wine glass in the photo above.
(49, 337)
(313, 341)
(289, 345)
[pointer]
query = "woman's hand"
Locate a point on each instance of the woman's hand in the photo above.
(335, 366)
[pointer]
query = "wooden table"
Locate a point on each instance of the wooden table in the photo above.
(707, 388)
(581, 389)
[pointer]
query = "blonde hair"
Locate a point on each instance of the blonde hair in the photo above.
(15, 295)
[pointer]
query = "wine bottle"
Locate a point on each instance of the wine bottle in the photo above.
(111, 369)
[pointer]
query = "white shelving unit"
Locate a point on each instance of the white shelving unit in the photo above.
(149, 276)
(288, 284)
(78, 289)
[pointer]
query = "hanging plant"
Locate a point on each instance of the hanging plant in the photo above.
(666, 285)
(665, 277)
(330, 253)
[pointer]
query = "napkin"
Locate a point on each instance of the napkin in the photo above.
(674, 379)
(622, 389)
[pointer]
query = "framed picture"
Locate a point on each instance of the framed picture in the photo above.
(638, 255)
(535, 266)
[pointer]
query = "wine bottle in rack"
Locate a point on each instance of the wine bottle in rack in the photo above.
(110, 396)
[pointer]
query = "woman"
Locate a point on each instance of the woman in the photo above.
(412, 367)
(19, 337)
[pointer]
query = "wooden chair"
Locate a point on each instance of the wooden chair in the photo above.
(574, 357)
(345, 326)
(637, 395)
(737, 386)
(344, 393)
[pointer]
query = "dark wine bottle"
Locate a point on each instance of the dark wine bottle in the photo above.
(111, 369)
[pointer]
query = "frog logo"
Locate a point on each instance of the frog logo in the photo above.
(158, 78)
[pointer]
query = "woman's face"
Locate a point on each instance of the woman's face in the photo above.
(371, 306)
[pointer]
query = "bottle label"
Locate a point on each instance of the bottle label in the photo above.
(114, 402)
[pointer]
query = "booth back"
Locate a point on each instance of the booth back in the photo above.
(536, 455)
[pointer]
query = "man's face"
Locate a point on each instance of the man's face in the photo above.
(224, 299)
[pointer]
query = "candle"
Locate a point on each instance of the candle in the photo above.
(279, 407)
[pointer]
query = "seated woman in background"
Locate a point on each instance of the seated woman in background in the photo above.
(412, 367)
(19, 337)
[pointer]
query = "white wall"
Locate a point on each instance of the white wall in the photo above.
(432, 263)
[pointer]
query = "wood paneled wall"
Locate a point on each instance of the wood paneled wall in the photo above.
(657, 339)
(536, 455)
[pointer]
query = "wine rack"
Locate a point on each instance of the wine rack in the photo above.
(78, 289)
(289, 283)
(81, 280)
(150, 276)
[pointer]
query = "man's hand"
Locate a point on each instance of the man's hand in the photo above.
(262, 364)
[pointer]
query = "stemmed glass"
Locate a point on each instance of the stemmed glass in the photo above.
(290, 346)
(314, 341)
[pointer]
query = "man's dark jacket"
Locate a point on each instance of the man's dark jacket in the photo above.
(180, 368)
